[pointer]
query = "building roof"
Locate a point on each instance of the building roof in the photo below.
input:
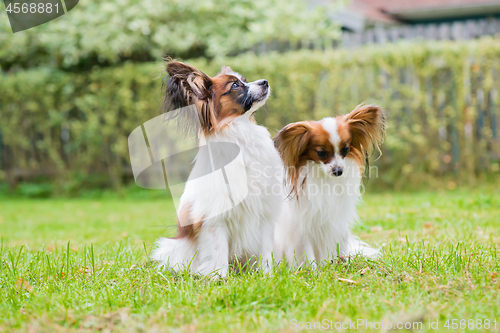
(397, 5)
(362, 13)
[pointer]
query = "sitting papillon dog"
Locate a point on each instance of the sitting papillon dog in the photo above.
(211, 236)
(324, 162)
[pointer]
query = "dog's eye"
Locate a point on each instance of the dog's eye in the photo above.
(344, 151)
(322, 153)
(235, 85)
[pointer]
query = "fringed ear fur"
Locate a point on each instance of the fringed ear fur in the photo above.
(291, 142)
(367, 125)
(187, 86)
(226, 70)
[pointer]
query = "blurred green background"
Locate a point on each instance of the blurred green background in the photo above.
(72, 90)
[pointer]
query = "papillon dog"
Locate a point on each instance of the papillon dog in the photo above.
(324, 162)
(231, 220)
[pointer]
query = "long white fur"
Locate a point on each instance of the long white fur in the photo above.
(315, 226)
(245, 231)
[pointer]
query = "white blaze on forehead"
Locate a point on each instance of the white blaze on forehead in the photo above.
(330, 125)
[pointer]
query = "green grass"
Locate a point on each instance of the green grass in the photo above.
(82, 265)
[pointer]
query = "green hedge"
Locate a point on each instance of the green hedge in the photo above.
(75, 127)
(441, 98)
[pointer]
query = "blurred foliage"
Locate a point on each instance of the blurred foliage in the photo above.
(108, 32)
(75, 126)
(441, 98)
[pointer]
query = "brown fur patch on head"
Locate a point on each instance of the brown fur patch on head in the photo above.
(346, 141)
(300, 142)
(227, 102)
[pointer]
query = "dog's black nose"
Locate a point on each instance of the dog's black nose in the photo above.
(263, 83)
(337, 171)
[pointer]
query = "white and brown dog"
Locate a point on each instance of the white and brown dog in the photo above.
(324, 164)
(208, 241)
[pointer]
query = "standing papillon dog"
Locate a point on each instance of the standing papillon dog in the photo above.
(324, 162)
(210, 235)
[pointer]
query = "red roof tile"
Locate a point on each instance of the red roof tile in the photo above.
(404, 5)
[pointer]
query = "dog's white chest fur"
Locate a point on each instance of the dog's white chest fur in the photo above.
(316, 224)
(255, 176)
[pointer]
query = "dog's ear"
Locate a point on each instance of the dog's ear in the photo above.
(226, 70)
(291, 142)
(187, 85)
(366, 124)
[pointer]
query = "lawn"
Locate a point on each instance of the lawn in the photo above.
(82, 265)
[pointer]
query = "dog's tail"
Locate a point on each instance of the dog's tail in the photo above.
(176, 254)
(358, 247)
